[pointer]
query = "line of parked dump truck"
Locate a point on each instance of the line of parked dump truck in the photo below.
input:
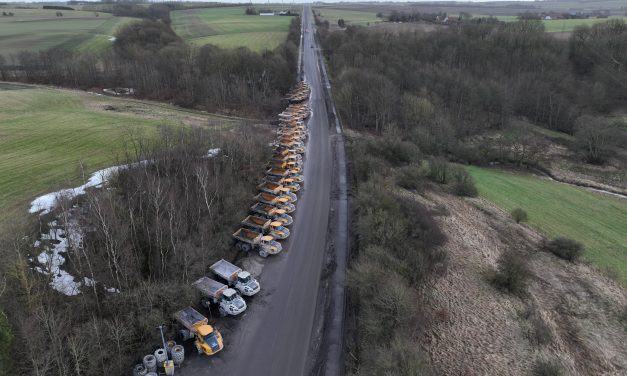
(260, 231)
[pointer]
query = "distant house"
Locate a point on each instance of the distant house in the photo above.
(267, 14)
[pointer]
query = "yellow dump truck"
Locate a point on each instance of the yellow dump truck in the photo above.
(247, 240)
(207, 339)
(281, 202)
(272, 212)
(266, 226)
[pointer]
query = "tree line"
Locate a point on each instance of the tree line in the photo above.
(445, 86)
(149, 57)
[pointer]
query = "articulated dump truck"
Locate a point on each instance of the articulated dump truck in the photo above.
(281, 152)
(237, 278)
(271, 212)
(281, 202)
(247, 240)
(266, 226)
(277, 190)
(228, 300)
(207, 339)
(296, 176)
(286, 182)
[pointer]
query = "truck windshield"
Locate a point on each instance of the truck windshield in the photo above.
(211, 340)
(244, 280)
(227, 298)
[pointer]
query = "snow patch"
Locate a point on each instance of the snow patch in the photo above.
(55, 242)
(45, 203)
(211, 153)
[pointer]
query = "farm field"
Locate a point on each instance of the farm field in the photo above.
(598, 221)
(230, 28)
(556, 26)
(351, 17)
(38, 29)
(46, 134)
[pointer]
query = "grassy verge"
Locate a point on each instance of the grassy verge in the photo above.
(230, 28)
(38, 29)
(47, 134)
(596, 220)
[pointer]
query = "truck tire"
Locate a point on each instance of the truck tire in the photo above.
(205, 303)
(245, 247)
(150, 362)
(263, 253)
(169, 345)
(139, 370)
(185, 334)
(161, 356)
(222, 312)
(178, 354)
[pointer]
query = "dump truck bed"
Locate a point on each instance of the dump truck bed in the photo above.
(210, 287)
(190, 318)
(263, 208)
(246, 235)
(225, 270)
(254, 221)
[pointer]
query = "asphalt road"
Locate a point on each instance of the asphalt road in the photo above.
(273, 336)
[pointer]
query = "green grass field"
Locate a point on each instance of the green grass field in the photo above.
(351, 17)
(598, 221)
(45, 135)
(38, 29)
(230, 28)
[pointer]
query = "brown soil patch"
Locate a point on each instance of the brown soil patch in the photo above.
(571, 315)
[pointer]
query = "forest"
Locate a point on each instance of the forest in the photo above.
(150, 58)
(420, 102)
(441, 88)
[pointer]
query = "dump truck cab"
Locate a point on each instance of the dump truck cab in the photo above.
(240, 279)
(207, 339)
(228, 300)
(278, 231)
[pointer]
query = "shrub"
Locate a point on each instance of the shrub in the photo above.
(519, 215)
(565, 248)
(512, 275)
(547, 368)
(410, 177)
(438, 170)
(464, 184)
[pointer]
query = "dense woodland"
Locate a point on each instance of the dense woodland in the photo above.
(420, 100)
(441, 88)
(150, 58)
(156, 230)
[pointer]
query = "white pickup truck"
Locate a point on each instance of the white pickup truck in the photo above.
(228, 300)
(236, 277)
